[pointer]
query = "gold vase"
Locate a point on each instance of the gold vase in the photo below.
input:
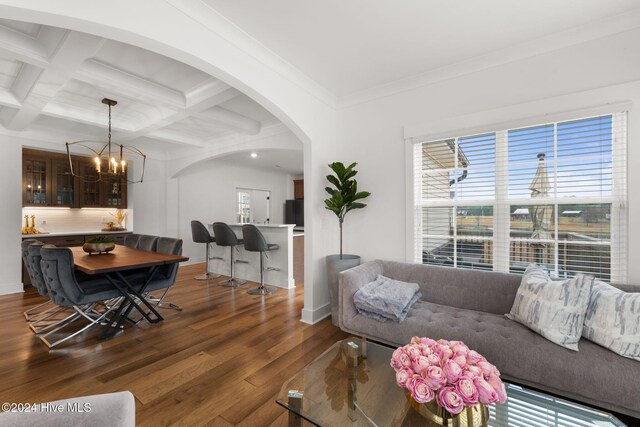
(471, 416)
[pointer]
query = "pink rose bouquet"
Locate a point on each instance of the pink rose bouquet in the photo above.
(449, 372)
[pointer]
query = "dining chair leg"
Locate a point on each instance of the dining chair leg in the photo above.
(160, 303)
(31, 317)
(34, 326)
(63, 323)
(92, 322)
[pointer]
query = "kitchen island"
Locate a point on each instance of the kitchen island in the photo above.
(281, 258)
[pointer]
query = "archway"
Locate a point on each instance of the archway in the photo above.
(192, 32)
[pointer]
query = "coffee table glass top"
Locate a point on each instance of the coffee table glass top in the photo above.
(342, 388)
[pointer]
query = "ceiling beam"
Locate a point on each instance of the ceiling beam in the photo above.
(15, 45)
(8, 99)
(35, 87)
(173, 136)
(203, 97)
(107, 76)
(80, 115)
(230, 120)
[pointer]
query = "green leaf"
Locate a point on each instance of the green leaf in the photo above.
(332, 179)
(355, 205)
(338, 168)
(330, 190)
(348, 175)
(361, 195)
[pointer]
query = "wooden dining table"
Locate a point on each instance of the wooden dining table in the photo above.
(114, 267)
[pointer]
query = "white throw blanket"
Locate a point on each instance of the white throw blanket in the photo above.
(386, 299)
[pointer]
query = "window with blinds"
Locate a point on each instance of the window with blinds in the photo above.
(553, 194)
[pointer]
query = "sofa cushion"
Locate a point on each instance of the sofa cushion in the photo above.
(554, 309)
(519, 353)
(613, 320)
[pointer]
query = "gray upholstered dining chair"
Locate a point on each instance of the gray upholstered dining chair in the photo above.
(49, 319)
(132, 240)
(200, 234)
(225, 236)
(254, 241)
(147, 243)
(60, 279)
(165, 277)
(41, 309)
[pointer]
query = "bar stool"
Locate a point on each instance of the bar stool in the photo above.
(201, 235)
(225, 236)
(254, 241)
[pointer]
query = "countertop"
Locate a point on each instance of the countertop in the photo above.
(266, 225)
(74, 233)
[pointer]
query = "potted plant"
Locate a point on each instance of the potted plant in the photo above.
(344, 197)
(99, 245)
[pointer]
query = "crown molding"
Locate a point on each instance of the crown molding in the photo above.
(574, 36)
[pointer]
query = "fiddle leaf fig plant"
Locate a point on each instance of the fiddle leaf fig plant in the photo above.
(344, 195)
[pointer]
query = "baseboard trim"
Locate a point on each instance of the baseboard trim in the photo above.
(11, 288)
(312, 317)
(193, 261)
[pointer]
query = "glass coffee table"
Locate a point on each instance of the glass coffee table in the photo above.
(343, 388)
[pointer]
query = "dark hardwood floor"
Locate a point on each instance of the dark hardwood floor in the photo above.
(220, 362)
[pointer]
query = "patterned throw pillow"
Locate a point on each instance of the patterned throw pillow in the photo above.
(613, 320)
(553, 308)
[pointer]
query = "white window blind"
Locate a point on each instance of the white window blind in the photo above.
(553, 194)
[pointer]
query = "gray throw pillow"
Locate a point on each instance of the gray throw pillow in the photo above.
(613, 320)
(553, 308)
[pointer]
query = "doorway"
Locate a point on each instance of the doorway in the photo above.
(253, 206)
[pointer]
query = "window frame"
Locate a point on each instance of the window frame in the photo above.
(502, 203)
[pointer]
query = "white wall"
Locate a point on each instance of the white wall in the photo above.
(207, 193)
(148, 199)
(10, 215)
(590, 74)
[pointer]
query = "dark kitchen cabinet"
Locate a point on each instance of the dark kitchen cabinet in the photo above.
(91, 190)
(115, 195)
(47, 181)
(36, 180)
(65, 188)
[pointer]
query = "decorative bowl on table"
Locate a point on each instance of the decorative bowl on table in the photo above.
(446, 382)
(100, 245)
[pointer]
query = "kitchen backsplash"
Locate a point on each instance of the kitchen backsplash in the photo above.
(56, 220)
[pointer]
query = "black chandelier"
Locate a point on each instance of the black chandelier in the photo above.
(110, 160)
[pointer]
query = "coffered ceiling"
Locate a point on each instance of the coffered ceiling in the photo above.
(52, 81)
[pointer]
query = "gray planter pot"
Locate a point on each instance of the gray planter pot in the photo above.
(334, 266)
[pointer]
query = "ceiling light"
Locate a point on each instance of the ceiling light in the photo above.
(109, 160)
(254, 155)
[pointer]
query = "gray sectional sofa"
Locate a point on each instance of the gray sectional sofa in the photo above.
(469, 305)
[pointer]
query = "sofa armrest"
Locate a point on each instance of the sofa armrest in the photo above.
(349, 282)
